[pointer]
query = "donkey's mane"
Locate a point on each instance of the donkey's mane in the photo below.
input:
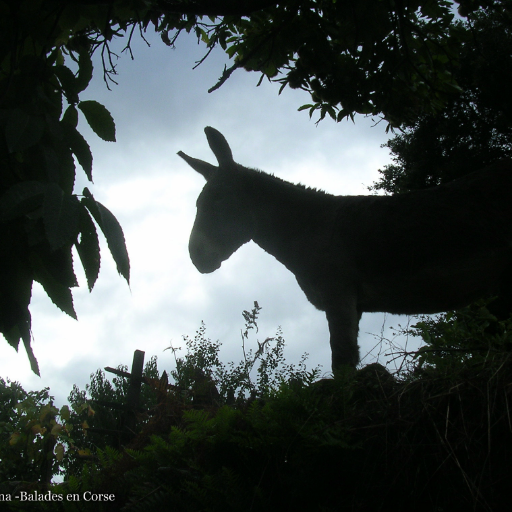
(271, 179)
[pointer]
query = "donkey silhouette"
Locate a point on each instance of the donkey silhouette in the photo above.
(424, 251)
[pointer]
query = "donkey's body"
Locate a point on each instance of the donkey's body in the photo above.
(420, 252)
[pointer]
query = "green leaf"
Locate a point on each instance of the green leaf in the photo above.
(34, 366)
(71, 116)
(99, 119)
(231, 50)
(60, 216)
(15, 319)
(59, 294)
(22, 130)
(60, 264)
(112, 231)
(68, 83)
(65, 413)
(22, 330)
(88, 248)
(85, 69)
(79, 147)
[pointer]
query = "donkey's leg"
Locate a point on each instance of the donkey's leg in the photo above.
(343, 327)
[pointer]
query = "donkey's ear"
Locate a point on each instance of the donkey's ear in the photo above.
(204, 168)
(219, 145)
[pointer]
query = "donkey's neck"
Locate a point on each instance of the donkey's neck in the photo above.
(291, 222)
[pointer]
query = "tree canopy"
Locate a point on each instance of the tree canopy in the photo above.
(388, 58)
(473, 129)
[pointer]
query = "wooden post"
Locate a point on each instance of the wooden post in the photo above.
(133, 395)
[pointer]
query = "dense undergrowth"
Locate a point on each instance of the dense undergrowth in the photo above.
(434, 437)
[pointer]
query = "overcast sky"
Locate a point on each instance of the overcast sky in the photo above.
(161, 106)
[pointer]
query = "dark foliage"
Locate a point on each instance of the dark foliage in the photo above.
(434, 437)
(17, 463)
(364, 441)
(474, 129)
(89, 410)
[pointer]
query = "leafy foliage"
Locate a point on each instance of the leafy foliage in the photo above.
(474, 129)
(89, 409)
(41, 219)
(356, 441)
(455, 339)
(369, 57)
(440, 430)
(33, 436)
(201, 363)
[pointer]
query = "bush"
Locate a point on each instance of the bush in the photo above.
(435, 438)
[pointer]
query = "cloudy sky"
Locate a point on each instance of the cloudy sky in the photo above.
(161, 106)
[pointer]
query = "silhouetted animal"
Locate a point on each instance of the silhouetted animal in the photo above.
(424, 251)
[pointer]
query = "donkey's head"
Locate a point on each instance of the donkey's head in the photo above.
(223, 220)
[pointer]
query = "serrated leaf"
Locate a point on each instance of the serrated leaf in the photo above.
(85, 69)
(59, 294)
(61, 214)
(15, 321)
(21, 330)
(79, 147)
(99, 119)
(60, 265)
(165, 38)
(68, 83)
(71, 116)
(112, 231)
(25, 335)
(88, 248)
(22, 130)
(59, 165)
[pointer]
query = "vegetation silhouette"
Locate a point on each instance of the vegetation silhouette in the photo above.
(436, 435)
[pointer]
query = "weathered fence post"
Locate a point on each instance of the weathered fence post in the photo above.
(126, 427)
(133, 395)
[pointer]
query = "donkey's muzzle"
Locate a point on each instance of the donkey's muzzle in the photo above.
(203, 256)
